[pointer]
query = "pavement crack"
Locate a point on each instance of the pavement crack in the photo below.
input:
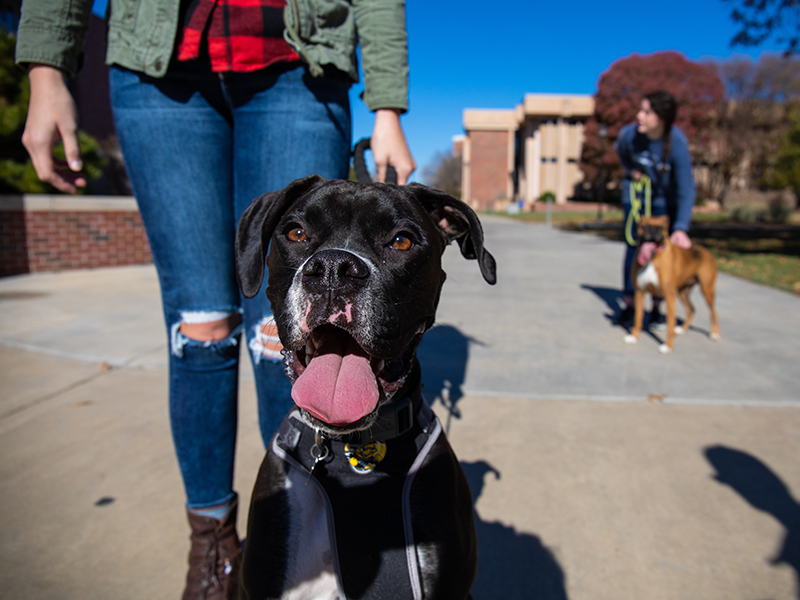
(42, 399)
(105, 367)
(124, 364)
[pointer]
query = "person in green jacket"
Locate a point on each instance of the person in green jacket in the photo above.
(215, 103)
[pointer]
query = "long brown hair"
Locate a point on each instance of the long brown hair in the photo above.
(665, 106)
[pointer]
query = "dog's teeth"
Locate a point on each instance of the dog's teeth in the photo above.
(380, 365)
(309, 351)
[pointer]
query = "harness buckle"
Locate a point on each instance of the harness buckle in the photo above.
(394, 419)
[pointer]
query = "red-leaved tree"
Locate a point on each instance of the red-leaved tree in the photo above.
(697, 88)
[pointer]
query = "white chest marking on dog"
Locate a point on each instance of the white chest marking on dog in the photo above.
(648, 276)
(322, 588)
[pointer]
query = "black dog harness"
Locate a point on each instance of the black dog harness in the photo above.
(366, 479)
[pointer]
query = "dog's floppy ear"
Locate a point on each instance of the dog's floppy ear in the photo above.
(457, 221)
(256, 227)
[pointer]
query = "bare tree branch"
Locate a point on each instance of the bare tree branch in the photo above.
(760, 20)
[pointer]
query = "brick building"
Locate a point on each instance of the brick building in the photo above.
(521, 153)
(54, 233)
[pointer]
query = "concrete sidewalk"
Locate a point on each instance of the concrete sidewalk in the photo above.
(583, 488)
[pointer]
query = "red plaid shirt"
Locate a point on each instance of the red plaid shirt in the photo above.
(243, 35)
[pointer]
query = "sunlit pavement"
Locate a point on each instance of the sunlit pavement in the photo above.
(599, 470)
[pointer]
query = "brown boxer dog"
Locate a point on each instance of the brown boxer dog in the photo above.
(664, 270)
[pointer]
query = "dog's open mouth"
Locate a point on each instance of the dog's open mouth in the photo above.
(337, 381)
(646, 251)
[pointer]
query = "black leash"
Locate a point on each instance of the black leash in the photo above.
(360, 165)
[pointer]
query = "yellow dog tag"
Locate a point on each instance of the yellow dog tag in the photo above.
(364, 458)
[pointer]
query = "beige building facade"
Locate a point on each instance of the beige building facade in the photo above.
(522, 153)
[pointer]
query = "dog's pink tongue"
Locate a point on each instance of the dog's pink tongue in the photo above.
(338, 385)
(645, 252)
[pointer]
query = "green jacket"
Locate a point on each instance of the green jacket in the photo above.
(142, 35)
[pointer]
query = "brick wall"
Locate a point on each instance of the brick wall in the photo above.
(55, 233)
(488, 167)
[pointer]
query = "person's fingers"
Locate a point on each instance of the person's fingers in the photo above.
(403, 164)
(405, 167)
(67, 177)
(67, 173)
(38, 141)
(381, 175)
(394, 152)
(681, 239)
(389, 146)
(52, 116)
(52, 171)
(72, 151)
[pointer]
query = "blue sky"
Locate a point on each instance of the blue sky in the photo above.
(489, 54)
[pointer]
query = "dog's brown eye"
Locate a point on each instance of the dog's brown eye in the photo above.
(402, 243)
(296, 235)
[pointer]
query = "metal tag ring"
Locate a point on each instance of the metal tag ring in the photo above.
(321, 454)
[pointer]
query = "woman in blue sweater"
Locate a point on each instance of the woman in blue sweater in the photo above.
(658, 181)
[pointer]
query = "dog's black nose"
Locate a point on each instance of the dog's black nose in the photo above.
(334, 269)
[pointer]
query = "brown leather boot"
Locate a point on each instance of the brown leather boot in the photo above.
(214, 558)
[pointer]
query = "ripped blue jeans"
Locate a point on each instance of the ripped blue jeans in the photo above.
(198, 149)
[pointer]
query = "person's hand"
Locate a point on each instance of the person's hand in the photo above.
(636, 175)
(680, 239)
(389, 146)
(52, 115)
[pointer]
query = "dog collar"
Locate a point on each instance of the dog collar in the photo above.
(394, 419)
(363, 450)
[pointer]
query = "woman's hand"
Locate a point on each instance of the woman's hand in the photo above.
(389, 146)
(680, 239)
(52, 115)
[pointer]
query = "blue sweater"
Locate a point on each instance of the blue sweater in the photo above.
(673, 190)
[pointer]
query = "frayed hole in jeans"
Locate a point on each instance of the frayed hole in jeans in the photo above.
(265, 342)
(230, 322)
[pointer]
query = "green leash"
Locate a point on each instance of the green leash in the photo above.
(635, 215)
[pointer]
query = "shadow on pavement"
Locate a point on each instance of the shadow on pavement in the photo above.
(611, 296)
(613, 299)
(443, 356)
(764, 491)
(511, 565)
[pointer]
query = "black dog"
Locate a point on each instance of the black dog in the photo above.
(354, 281)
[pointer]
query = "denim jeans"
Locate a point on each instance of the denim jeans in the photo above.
(198, 149)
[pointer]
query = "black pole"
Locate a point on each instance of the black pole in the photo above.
(603, 132)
